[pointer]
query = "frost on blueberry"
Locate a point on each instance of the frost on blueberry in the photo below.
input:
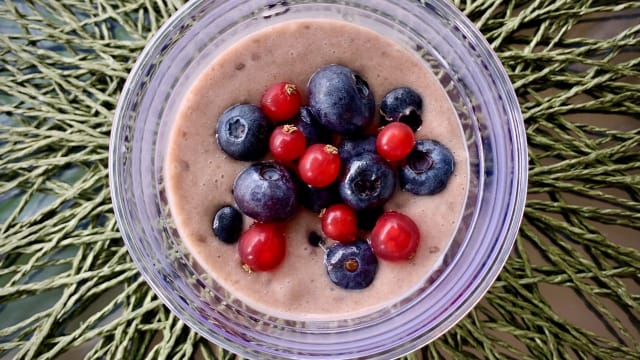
(351, 265)
(428, 168)
(227, 224)
(243, 132)
(266, 191)
(402, 104)
(369, 182)
(341, 99)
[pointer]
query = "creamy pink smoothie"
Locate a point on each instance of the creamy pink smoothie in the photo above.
(200, 176)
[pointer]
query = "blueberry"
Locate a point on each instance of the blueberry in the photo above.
(313, 132)
(351, 265)
(227, 224)
(341, 100)
(243, 132)
(428, 168)
(368, 182)
(352, 147)
(318, 198)
(402, 104)
(266, 191)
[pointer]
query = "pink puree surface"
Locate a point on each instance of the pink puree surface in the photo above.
(200, 175)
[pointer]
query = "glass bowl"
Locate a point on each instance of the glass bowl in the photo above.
(490, 117)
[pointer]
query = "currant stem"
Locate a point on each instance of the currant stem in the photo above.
(290, 89)
(288, 128)
(331, 149)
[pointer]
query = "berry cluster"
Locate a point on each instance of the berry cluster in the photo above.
(326, 157)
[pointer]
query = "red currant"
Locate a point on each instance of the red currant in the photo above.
(395, 141)
(262, 246)
(281, 101)
(287, 143)
(340, 223)
(395, 237)
(319, 165)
